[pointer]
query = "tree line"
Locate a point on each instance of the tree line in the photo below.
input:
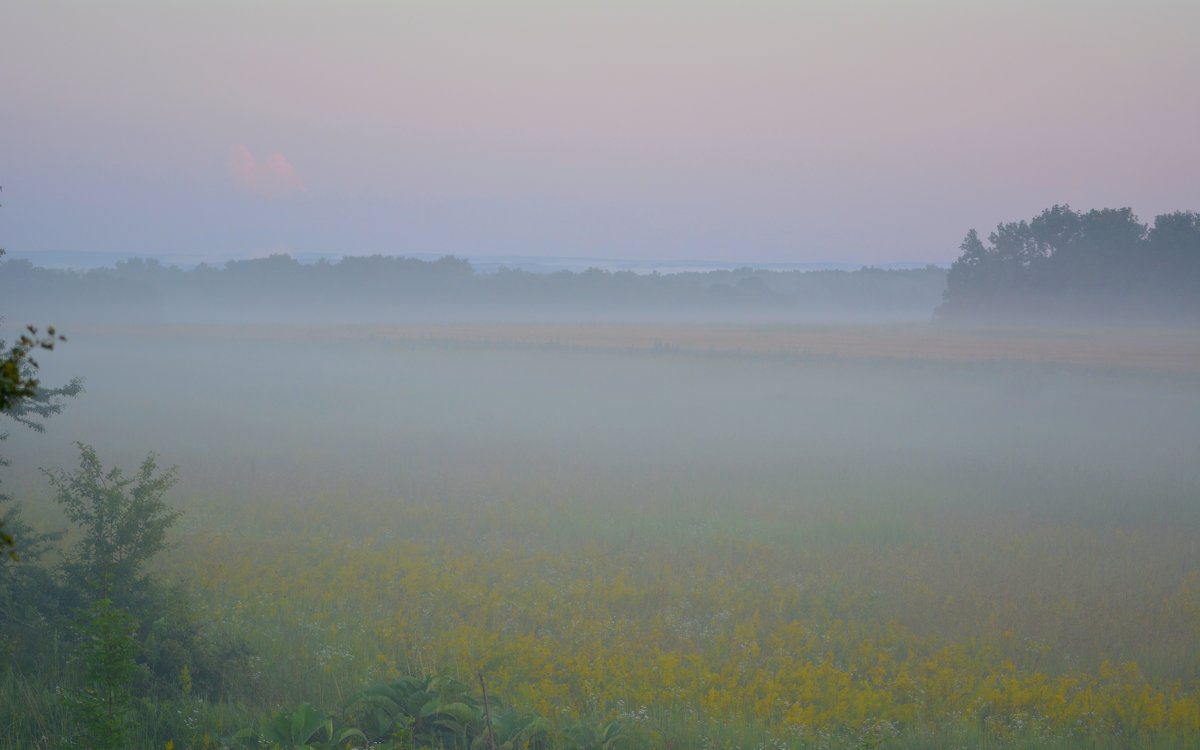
(147, 290)
(1102, 265)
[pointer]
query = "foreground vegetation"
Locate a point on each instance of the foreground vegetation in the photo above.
(705, 551)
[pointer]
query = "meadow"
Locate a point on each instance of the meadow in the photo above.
(723, 537)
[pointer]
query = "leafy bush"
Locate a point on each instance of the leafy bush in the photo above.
(124, 522)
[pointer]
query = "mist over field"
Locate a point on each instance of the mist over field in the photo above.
(599, 376)
(315, 402)
(1012, 510)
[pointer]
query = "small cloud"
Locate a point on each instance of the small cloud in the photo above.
(273, 177)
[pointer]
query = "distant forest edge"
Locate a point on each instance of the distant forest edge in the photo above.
(1063, 265)
(406, 288)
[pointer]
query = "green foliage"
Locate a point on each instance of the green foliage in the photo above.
(124, 520)
(437, 711)
(1065, 263)
(104, 702)
(18, 381)
(298, 729)
(28, 596)
(306, 728)
(517, 730)
(431, 710)
(175, 641)
(612, 735)
(37, 403)
(25, 401)
(139, 645)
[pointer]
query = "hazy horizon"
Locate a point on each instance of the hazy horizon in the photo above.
(85, 260)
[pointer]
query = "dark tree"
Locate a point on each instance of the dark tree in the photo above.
(1100, 265)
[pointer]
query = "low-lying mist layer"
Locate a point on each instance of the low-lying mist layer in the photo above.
(728, 546)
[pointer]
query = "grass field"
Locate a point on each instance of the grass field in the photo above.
(734, 537)
(1142, 349)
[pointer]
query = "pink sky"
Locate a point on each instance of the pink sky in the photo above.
(756, 131)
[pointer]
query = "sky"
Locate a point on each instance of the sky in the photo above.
(753, 131)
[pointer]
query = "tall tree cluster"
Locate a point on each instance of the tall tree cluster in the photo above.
(1100, 265)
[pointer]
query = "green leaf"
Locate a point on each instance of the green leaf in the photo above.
(459, 713)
